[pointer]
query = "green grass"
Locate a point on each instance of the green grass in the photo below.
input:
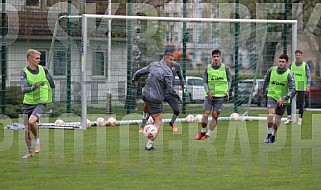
(114, 158)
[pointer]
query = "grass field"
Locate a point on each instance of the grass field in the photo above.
(114, 158)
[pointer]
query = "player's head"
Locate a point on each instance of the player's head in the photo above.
(283, 61)
(168, 57)
(33, 57)
(298, 55)
(216, 56)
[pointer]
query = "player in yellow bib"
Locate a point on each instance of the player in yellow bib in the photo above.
(281, 87)
(217, 81)
(302, 77)
(36, 84)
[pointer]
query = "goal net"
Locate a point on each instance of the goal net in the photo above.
(101, 53)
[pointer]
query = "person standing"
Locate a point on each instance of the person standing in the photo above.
(159, 81)
(36, 84)
(281, 88)
(217, 80)
(302, 77)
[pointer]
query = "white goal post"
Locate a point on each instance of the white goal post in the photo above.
(86, 41)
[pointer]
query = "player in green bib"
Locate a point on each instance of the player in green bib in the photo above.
(217, 81)
(281, 88)
(302, 76)
(36, 84)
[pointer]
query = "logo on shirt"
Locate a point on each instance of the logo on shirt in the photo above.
(277, 83)
(217, 78)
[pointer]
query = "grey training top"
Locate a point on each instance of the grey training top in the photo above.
(228, 75)
(307, 71)
(23, 79)
(291, 82)
(160, 79)
(177, 69)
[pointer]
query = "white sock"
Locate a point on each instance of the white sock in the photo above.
(149, 144)
(273, 132)
(203, 130)
(144, 115)
(269, 130)
(209, 133)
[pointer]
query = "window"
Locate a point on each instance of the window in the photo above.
(50, 3)
(98, 64)
(43, 58)
(59, 63)
(32, 3)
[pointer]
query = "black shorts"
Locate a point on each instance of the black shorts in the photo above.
(215, 104)
(154, 108)
(35, 110)
(273, 104)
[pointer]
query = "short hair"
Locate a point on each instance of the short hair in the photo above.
(298, 51)
(32, 51)
(168, 52)
(284, 56)
(216, 51)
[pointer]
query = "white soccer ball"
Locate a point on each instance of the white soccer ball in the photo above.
(88, 123)
(234, 117)
(198, 118)
(59, 123)
(190, 118)
(111, 121)
(100, 121)
(150, 131)
(150, 119)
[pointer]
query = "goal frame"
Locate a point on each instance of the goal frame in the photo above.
(182, 19)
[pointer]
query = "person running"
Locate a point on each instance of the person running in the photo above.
(302, 77)
(159, 81)
(36, 84)
(217, 80)
(281, 88)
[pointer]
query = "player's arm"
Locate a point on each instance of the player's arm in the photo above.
(205, 81)
(49, 78)
(308, 73)
(141, 72)
(169, 85)
(229, 80)
(24, 84)
(266, 81)
(291, 84)
(181, 77)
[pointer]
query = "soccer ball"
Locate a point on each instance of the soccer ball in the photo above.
(190, 118)
(198, 118)
(100, 121)
(150, 119)
(111, 121)
(88, 123)
(150, 131)
(234, 117)
(59, 123)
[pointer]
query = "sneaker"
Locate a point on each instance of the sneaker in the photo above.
(300, 121)
(140, 130)
(287, 121)
(206, 138)
(272, 139)
(149, 149)
(174, 128)
(199, 136)
(267, 139)
(28, 155)
(37, 145)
